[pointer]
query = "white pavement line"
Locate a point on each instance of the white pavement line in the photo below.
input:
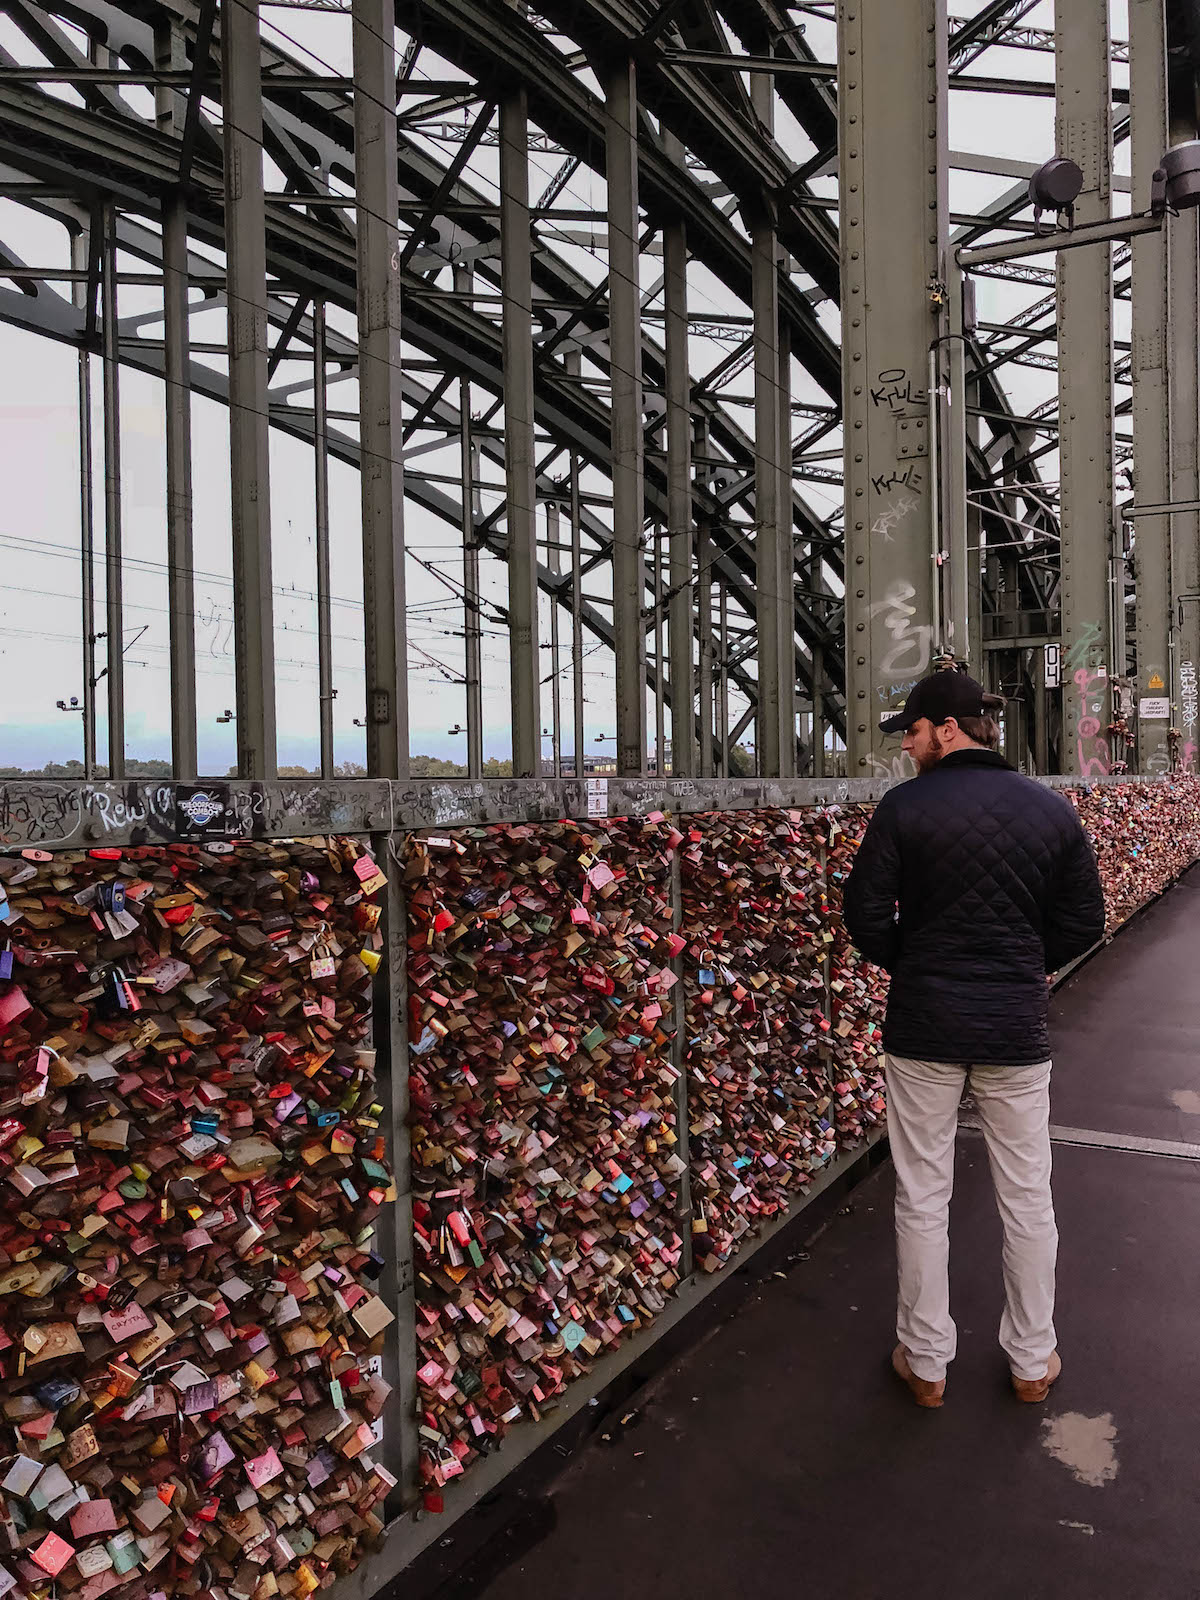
(1093, 1139)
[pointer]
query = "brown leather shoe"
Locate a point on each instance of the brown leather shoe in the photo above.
(1034, 1390)
(924, 1393)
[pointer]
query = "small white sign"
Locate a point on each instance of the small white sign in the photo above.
(1053, 665)
(1154, 710)
(597, 797)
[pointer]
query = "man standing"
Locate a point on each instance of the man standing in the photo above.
(972, 883)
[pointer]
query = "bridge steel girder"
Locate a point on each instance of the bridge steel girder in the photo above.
(1151, 419)
(1089, 627)
(705, 104)
(892, 109)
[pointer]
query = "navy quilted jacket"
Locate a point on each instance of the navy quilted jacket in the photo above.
(971, 884)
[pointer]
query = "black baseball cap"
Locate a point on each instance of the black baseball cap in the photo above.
(939, 696)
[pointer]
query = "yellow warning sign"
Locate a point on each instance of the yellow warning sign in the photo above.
(1155, 682)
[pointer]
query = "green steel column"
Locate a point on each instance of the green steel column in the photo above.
(680, 539)
(1183, 404)
(1084, 134)
(1151, 436)
(892, 125)
(520, 468)
(1184, 303)
(249, 444)
(380, 389)
(625, 347)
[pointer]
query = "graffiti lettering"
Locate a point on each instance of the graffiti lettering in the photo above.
(452, 803)
(156, 807)
(1086, 649)
(45, 816)
(1158, 764)
(1091, 747)
(896, 768)
(893, 515)
(905, 686)
(911, 478)
(894, 389)
(1189, 700)
(909, 655)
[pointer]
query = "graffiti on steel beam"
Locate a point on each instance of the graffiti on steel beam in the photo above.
(911, 641)
(894, 389)
(1091, 744)
(48, 815)
(909, 477)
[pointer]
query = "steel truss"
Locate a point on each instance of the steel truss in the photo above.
(124, 122)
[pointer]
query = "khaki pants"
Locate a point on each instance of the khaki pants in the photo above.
(1014, 1108)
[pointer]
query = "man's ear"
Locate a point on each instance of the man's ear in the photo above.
(948, 730)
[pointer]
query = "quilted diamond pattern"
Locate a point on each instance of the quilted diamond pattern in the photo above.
(971, 884)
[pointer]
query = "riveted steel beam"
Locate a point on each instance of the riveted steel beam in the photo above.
(1151, 420)
(520, 465)
(172, 109)
(249, 422)
(1084, 134)
(380, 389)
(680, 604)
(892, 107)
(624, 302)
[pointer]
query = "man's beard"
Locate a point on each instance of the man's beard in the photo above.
(929, 759)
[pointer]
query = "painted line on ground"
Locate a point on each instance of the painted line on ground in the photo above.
(1091, 1138)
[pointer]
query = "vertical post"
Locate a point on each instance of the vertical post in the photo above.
(171, 109)
(180, 584)
(1041, 712)
(397, 1281)
(554, 562)
(723, 684)
(679, 1063)
(1185, 474)
(386, 652)
(520, 468)
(679, 496)
(818, 711)
(249, 443)
(660, 682)
(1183, 405)
(775, 730)
(704, 627)
(473, 643)
(954, 521)
(379, 388)
(769, 731)
(976, 554)
(892, 126)
(1084, 134)
(577, 616)
(80, 251)
(625, 360)
(787, 563)
(114, 604)
(321, 487)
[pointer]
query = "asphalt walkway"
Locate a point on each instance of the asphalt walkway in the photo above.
(780, 1458)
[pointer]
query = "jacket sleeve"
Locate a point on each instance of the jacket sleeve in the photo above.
(872, 890)
(1075, 917)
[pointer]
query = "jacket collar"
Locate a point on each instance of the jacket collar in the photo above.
(974, 758)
